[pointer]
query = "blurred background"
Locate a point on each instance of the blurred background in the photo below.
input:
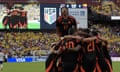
(31, 43)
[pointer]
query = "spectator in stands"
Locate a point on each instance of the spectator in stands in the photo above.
(1, 60)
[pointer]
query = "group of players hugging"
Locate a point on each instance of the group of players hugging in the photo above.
(81, 50)
(16, 18)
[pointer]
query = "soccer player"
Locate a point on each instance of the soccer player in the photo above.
(14, 19)
(70, 55)
(65, 22)
(107, 58)
(100, 61)
(87, 52)
(6, 20)
(23, 18)
(56, 55)
(103, 60)
(101, 64)
(69, 49)
(88, 61)
(53, 56)
(1, 60)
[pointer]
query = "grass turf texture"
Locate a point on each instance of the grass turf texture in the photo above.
(38, 67)
(24, 67)
(31, 25)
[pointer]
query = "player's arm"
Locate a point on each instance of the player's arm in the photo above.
(52, 50)
(68, 36)
(102, 38)
(72, 36)
(58, 27)
(83, 34)
(89, 39)
(75, 23)
(55, 43)
(81, 38)
(53, 46)
(60, 50)
(55, 51)
(104, 42)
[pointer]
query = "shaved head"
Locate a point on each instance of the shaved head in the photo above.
(64, 12)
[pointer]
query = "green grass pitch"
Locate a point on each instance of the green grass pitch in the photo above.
(31, 25)
(38, 67)
(24, 67)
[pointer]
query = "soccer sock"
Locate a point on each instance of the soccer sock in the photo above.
(1, 67)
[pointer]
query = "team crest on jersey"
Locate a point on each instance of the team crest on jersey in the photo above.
(50, 15)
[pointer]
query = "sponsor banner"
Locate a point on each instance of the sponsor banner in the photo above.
(42, 59)
(39, 59)
(115, 58)
(19, 59)
(28, 59)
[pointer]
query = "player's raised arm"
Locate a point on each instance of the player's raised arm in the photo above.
(72, 36)
(89, 39)
(81, 38)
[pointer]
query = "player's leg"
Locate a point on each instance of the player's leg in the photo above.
(1, 65)
(68, 67)
(101, 65)
(108, 65)
(50, 62)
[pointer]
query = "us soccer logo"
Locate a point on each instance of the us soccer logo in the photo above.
(50, 15)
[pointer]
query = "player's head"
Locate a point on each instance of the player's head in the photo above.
(64, 11)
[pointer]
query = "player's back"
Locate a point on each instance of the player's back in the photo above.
(88, 57)
(71, 55)
(88, 50)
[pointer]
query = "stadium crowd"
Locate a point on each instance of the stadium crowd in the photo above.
(113, 37)
(107, 8)
(18, 44)
(25, 42)
(110, 29)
